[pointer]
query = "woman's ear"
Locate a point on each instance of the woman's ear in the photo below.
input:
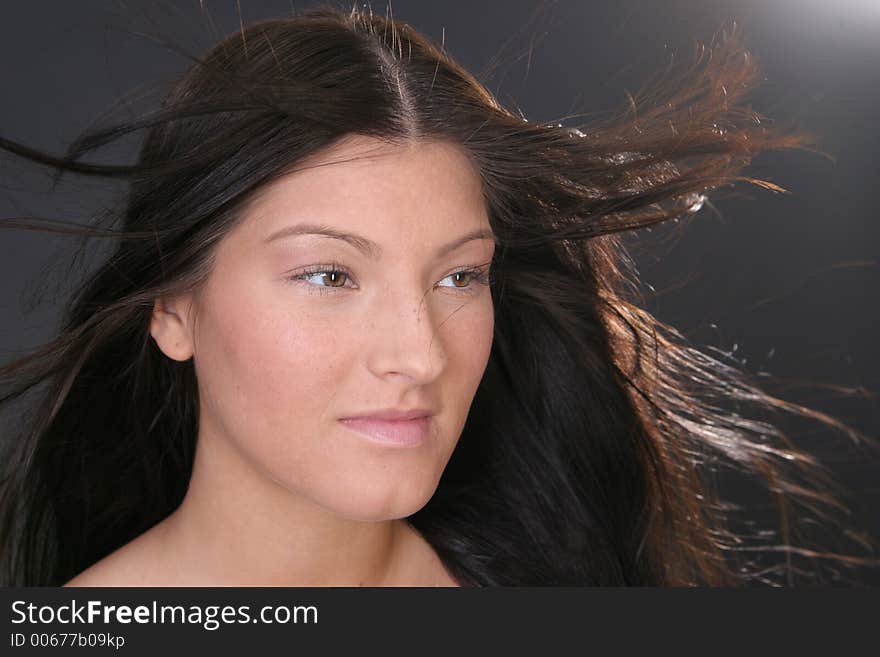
(170, 327)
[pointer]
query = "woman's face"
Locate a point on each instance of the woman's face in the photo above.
(283, 352)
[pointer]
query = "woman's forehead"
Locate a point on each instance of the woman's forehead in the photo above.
(367, 160)
(367, 183)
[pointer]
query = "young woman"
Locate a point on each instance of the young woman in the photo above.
(365, 326)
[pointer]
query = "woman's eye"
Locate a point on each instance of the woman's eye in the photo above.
(465, 277)
(325, 278)
(330, 278)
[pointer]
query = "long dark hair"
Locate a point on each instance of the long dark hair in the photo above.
(587, 454)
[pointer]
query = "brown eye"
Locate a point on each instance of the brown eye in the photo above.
(323, 278)
(468, 280)
(462, 274)
(334, 277)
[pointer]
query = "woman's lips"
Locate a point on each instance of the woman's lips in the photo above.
(396, 433)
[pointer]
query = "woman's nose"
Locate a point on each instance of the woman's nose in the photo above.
(405, 337)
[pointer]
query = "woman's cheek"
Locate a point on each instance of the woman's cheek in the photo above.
(471, 338)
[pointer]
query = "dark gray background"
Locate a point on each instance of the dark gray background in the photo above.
(785, 283)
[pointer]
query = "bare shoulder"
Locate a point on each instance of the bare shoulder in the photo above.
(134, 564)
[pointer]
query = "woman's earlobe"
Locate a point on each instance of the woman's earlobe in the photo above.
(170, 330)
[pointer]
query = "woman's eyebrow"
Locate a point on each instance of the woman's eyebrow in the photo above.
(366, 246)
